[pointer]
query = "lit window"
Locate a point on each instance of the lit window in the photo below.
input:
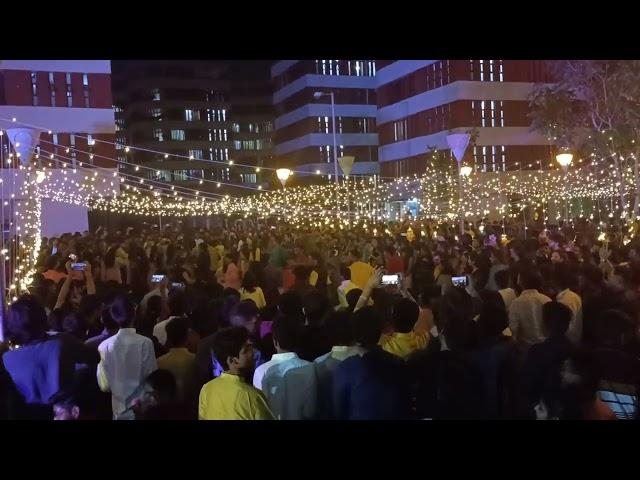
(249, 178)
(180, 175)
(34, 88)
(235, 127)
(248, 145)
(224, 115)
(482, 70)
(188, 115)
(85, 80)
(68, 78)
(250, 127)
(157, 134)
(225, 134)
(226, 154)
(51, 80)
(55, 139)
(156, 113)
(237, 144)
(155, 94)
(90, 140)
(196, 154)
(177, 134)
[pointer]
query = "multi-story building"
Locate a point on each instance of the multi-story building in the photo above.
(252, 115)
(179, 108)
(60, 107)
(304, 137)
(421, 101)
(210, 117)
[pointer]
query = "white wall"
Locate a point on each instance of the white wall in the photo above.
(59, 218)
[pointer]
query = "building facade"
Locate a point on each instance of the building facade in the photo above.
(304, 137)
(211, 117)
(60, 107)
(421, 101)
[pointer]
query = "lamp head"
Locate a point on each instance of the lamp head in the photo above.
(465, 171)
(317, 95)
(564, 159)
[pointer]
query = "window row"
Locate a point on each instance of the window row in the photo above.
(53, 90)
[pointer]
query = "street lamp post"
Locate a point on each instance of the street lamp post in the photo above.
(458, 143)
(318, 95)
(564, 160)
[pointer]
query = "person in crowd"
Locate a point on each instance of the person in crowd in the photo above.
(541, 370)
(314, 340)
(374, 385)
(404, 340)
(179, 361)
(126, 359)
(251, 291)
(40, 366)
(288, 382)
(338, 328)
(507, 293)
(177, 303)
(564, 280)
(525, 312)
(360, 271)
(229, 397)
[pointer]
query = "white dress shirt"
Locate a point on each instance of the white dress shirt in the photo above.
(574, 302)
(126, 359)
(525, 318)
(290, 385)
(508, 295)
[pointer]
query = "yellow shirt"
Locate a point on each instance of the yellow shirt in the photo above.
(182, 364)
(404, 344)
(360, 274)
(257, 296)
(214, 257)
(228, 397)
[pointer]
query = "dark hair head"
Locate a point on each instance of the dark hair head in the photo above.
(177, 331)
(354, 252)
(90, 304)
(345, 272)
(502, 278)
(405, 315)
(556, 317)
(366, 325)
(163, 384)
(110, 257)
(563, 275)
(230, 292)
(530, 279)
(242, 312)
(290, 304)
(302, 273)
(286, 331)
(177, 303)
(122, 311)
(315, 305)
(352, 298)
(26, 320)
(227, 343)
(249, 282)
(338, 326)
(74, 325)
(458, 333)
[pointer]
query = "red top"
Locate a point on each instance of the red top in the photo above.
(394, 264)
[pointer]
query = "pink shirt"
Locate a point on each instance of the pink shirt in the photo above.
(232, 278)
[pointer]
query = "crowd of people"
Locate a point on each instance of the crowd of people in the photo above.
(390, 321)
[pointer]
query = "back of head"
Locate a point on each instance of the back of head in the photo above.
(163, 384)
(556, 317)
(405, 315)
(243, 312)
(302, 273)
(352, 298)
(73, 324)
(338, 327)
(177, 303)
(502, 279)
(286, 332)
(26, 320)
(530, 280)
(177, 331)
(122, 311)
(228, 342)
(249, 282)
(290, 304)
(315, 305)
(366, 325)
